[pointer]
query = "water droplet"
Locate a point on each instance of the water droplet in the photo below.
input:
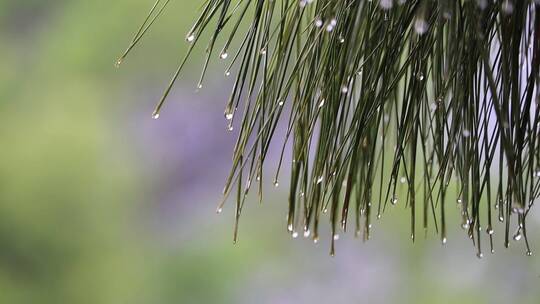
(325, 210)
(219, 210)
(307, 233)
(466, 133)
(190, 37)
(344, 89)
(295, 234)
(321, 104)
(420, 26)
(480, 255)
(320, 179)
(276, 184)
(501, 219)
(230, 128)
(290, 227)
(420, 76)
(394, 200)
(224, 55)
(336, 237)
(378, 216)
(229, 115)
(529, 253)
(489, 230)
(227, 73)
(262, 51)
(444, 240)
(507, 7)
(465, 224)
(280, 103)
(386, 4)
(403, 180)
(341, 39)
(155, 116)
(118, 62)
(316, 239)
(318, 22)
(517, 236)
(459, 201)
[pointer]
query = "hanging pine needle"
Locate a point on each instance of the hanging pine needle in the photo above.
(430, 96)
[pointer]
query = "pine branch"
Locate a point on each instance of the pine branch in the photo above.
(427, 95)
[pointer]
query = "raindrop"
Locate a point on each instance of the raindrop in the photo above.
(276, 184)
(318, 22)
(224, 55)
(420, 26)
(295, 234)
(155, 116)
(517, 236)
(501, 219)
(403, 179)
(444, 240)
(466, 133)
(529, 253)
(290, 227)
(190, 37)
(489, 230)
(386, 4)
(219, 210)
(280, 103)
(307, 233)
(344, 89)
(507, 7)
(336, 237)
(480, 255)
(394, 200)
(321, 104)
(320, 179)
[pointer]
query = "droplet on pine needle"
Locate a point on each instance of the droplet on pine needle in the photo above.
(386, 4)
(295, 235)
(321, 104)
(344, 89)
(336, 237)
(394, 200)
(307, 233)
(155, 116)
(444, 240)
(190, 37)
(118, 62)
(276, 184)
(489, 230)
(318, 22)
(280, 103)
(290, 227)
(224, 55)
(501, 219)
(479, 255)
(517, 236)
(466, 133)
(229, 115)
(529, 253)
(482, 4)
(507, 7)
(420, 26)
(403, 179)
(219, 210)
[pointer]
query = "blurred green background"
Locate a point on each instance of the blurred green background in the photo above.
(101, 204)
